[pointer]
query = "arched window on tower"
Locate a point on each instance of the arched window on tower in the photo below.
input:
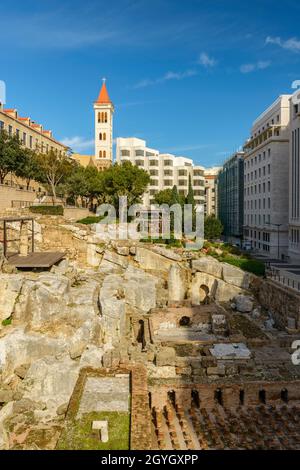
(100, 154)
(105, 117)
(104, 136)
(100, 136)
(104, 153)
(99, 117)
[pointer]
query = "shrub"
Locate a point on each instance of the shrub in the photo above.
(47, 210)
(7, 321)
(247, 264)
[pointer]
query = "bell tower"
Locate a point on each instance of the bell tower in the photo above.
(104, 110)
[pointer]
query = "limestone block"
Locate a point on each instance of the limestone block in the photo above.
(10, 288)
(5, 413)
(226, 292)
(235, 276)
(51, 381)
(177, 283)
(140, 289)
(208, 265)
(18, 348)
(244, 303)
(166, 357)
(230, 351)
(148, 259)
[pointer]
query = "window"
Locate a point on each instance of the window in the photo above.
(1, 125)
(30, 141)
(10, 130)
(125, 153)
(24, 138)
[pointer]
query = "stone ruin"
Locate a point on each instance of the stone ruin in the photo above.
(209, 362)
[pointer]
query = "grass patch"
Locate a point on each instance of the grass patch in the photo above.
(169, 243)
(47, 210)
(246, 264)
(91, 219)
(7, 321)
(78, 434)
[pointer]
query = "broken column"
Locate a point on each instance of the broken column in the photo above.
(24, 239)
(177, 283)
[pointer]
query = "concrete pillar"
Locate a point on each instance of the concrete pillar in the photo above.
(177, 283)
(24, 239)
(102, 427)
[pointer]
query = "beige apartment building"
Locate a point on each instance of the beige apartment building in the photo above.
(294, 180)
(31, 134)
(35, 137)
(211, 191)
(166, 170)
(266, 181)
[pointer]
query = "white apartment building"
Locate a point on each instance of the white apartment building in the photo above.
(166, 170)
(266, 181)
(294, 180)
(211, 193)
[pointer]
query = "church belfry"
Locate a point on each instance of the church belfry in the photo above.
(104, 110)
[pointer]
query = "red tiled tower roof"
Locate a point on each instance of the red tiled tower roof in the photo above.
(103, 95)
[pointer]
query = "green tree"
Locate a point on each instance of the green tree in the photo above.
(11, 156)
(29, 167)
(76, 185)
(191, 201)
(55, 168)
(163, 197)
(94, 180)
(176, 197)
(213, 227)
(124, 180)
(190, 196)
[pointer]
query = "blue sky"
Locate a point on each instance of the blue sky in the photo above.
(188, 76)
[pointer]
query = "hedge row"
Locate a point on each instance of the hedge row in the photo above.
(47, 210)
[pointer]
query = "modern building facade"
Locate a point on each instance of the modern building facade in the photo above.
(266, 181)
(294, 179)
(231, 197)
(166, 170)
(211, 191)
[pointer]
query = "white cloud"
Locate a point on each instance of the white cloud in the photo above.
(78, 144)
(168, 76)
(207, 61)
(291, 44)
(260, 65)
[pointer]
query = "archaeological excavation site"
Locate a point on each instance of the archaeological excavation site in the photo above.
(118, 345)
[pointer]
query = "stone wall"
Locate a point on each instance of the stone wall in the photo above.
(140, 429)
(284, 303)
(9, 194)
(229, 394)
